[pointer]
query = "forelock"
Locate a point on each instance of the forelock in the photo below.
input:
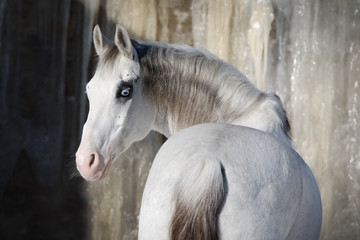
(110, 55)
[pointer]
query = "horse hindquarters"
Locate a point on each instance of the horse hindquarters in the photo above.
(307, 225)
(255, 192)
(185, 203)
(183, 194)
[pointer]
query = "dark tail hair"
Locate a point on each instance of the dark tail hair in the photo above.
(199, 197)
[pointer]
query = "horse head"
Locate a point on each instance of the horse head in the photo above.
(118, 111)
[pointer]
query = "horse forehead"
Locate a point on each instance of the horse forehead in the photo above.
(123, 69)
(127, 68)
(110, 75)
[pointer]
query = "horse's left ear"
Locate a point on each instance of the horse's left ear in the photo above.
(122, 40)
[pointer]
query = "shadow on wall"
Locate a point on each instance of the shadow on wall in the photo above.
(41, 110)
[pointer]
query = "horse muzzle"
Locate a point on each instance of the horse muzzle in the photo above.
(92, 167)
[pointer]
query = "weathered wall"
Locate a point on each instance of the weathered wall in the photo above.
(308, 52)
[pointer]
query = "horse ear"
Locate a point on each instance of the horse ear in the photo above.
(122, 40)
(101, 43)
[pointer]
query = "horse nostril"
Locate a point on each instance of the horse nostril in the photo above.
(92, 160)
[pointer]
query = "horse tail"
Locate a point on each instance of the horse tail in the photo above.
(199, 196)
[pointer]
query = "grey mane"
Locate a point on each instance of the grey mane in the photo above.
(180, 79)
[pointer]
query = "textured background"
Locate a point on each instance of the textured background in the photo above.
(308, 52)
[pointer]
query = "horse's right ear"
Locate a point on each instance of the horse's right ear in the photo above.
(100, 41)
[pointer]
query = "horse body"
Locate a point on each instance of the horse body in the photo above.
(209, 181)
(268, 190)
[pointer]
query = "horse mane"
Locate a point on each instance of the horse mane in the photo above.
(179, 79)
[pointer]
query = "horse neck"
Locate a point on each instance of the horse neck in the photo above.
(189, 87)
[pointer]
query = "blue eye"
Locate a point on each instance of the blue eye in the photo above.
(124, 91)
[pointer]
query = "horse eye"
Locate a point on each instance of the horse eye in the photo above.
(124, 92)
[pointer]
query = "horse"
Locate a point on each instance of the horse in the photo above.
(227, 170)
